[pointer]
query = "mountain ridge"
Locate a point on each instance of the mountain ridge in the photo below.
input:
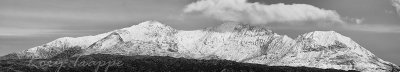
(230, 41)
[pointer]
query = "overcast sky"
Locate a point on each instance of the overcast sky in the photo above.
(24, 24)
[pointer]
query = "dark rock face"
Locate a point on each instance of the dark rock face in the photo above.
(70, 52)
(9, 56)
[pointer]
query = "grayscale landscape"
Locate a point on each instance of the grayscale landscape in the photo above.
(199, 36)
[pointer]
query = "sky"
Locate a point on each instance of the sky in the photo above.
(374, 24)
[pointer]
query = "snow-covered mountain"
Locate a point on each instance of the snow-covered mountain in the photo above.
(230, 41)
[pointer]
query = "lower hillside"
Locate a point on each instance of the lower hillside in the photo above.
(119, 63)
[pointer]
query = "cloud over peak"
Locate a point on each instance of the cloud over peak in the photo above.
(396, 4)
(256, 13)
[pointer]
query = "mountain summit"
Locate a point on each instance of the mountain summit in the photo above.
(230, 41)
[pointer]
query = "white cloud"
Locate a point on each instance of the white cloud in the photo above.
(256, 13)
(396, 4)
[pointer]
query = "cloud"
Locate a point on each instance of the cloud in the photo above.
(256, 13)
(285, 16)
(396, 4)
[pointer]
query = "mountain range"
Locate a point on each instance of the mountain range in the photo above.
(230, 41)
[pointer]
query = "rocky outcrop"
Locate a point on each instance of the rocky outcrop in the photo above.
(231, 41)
